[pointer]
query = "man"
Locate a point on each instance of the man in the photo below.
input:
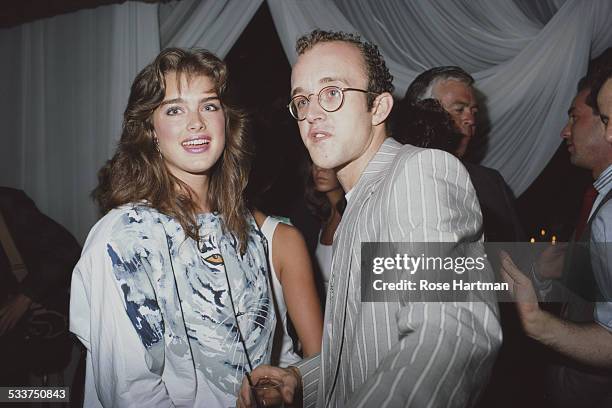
(396, 353)
(602, 91)
(36, 258)
(583, 333)
(453, 88)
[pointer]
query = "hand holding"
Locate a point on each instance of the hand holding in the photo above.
(549, 264)
(522, 290)
(288, 377)
(13, 311)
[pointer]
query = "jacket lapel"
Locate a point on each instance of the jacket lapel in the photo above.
(343, 264)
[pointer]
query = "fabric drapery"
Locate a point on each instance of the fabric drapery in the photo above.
(211, 24)
(64, 92)
(526, 59)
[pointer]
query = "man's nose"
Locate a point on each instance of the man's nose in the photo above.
(314, 111)
(566, 132)
(469, 118)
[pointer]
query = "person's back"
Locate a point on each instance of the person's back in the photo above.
(295, 294)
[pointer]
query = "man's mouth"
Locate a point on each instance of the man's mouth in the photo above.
(318, 135)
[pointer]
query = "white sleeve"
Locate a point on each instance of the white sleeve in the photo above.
(125, 372)
(601, 262)
(543, 286)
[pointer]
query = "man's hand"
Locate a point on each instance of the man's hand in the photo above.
(523, 292)
(549, 264)
(13, 311)
(289, 378)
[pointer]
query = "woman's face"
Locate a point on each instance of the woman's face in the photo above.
(325, 180)
(190, 126)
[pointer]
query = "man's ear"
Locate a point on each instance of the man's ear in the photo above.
(382, 108)
(608, 133)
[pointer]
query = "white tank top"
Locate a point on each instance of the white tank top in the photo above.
(287, 355)
(323, 255)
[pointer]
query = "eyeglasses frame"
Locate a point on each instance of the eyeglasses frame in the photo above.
(342, 91)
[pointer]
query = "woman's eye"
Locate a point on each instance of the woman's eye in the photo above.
(173, 110)
(211, 107)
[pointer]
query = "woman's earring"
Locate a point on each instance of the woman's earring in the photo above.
(156, 143)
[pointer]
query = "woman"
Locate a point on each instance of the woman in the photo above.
(426, 124)
(294, 290)
(325, 199)
(170, 296)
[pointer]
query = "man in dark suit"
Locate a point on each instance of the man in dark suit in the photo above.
(453, 88)
(49, 253)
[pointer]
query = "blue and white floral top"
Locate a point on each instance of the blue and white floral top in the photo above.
(152, 307)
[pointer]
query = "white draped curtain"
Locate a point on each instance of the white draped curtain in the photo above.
(64, 83)
(68, 79)
(211, 24)
(526, 69)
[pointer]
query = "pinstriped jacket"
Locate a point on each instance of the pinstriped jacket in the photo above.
(403, 354)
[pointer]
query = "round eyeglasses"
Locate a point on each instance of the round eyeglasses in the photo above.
(330, 99)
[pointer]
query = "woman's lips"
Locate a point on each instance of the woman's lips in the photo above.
(196, 145)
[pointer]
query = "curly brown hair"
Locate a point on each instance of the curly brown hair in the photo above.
(426, 123)
(379, 78)
(137, 171)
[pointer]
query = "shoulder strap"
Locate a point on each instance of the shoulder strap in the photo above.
(18, 267)
(268, 227)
